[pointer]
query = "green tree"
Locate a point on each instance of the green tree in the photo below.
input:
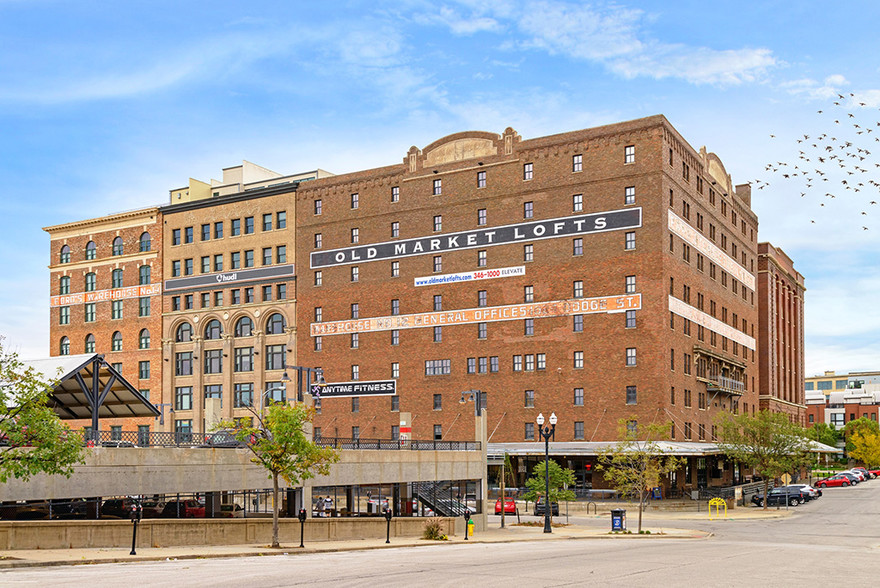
(862, 426)
(278, 442)
(824, 433)
(866, 448)
(32, 438)
(768, 442)
(633, 466)
(560, 479)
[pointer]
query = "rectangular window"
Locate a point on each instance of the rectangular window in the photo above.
(529, 433)
(482, 298)
(64, 315)
(529, 327)
(143, 370)
(579, 430)
(183, 363)
(395, 230)
(577, 163)
(517, 363)
(528, 252)
(438, 187)
(630, 356)
(116, 309)
(578, 396)
(530, 362)
(438, 402)
(175, 268)
(395, 269)
(188, 235)
(438, 223)
(213, 361)
(319, 343)
(629, 154)
(267, 221)
(243, 396)
(629, 240)
(493, 364)
(630, 284)
(529, 399)
(235, 296)
(244, 359)
(577, 203)
(206, 264)
(438, 367)
(218, 298)
(481, 179)
(438, 334)
(318, 207)
(249, 225)
(528, 293)
(236, 227)
(438, 302)
(528, 171)
(175, 237)
(541, 360)
(395, 432)
(577, 246)
(188, 267)
(275, 356)
(578, 360)
(355, 404)
(319, 280)
(481, 216)
(281, 254)
(355, 235)
(143, 307)
(395, 337)
(484, 365)
(235, 260)
(355, 273)
(472, 365)
(528, 209)
(395, 370)
(218, 230)
(281, 220)
(438, 263)
(395, 193)
(438, 432)
(629, 195)
(249, 258)
(482, 330)
(630, 319)
(183, 398)
(481, 259)
(267, 256)
(319, 240)
(355, 372)
(578, 324)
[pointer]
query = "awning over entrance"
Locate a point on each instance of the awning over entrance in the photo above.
(89, 388)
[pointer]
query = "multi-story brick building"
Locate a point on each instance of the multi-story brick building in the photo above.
(105, 285)
(781, 333)
(606, 275)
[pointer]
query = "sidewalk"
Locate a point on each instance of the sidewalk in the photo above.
(55, 557)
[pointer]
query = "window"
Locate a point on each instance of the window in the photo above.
(281, 220)
(438, 367)
(218, 298)
(528, 293)
(64, 256)
(481, 179)
(493, 364)
(355, 433)
(482, 298)
(395, 230)
(529, 399)
(629, 240)
(143, 370)
(438, 302)
(281, 254)
(92, 251)
(438, 187)
(528, 252)
(355, 235)
(213, 361)
(236, 227)
(183, 398)
(395, 337)
(482, 330)
(481, 216)
(577, 246)
(355, 273)
(188, 267)
(579, 430)
(267, 221)
(632, 427)
(438, 263)
(483, 365)
(395, 194)
(355, 311)
(481, 258)
(529, 433)
(578, 289)
(354, 341)
(578, 396)
(243, 359)
(214, 391)
(91, 281)
(243, 395)
(206, 264)
(528, 209)
(183, 333)
(89, 312)
(577, 203)
(438, 432)
(629, 154)
(517, 363)
(395, 432)
(630, 319)
(355, 404)
(577, 163)
(235, 262)
(438, 223)
(631, 395)
(249, 258)
(213, 330)
(64, 347)
(438, 402)
(528, 171)
(530, 362)
(117, 246)
(319, 314)
(318, 207)
(244, 327)
(276, 324)
(529, 327)
(355, 200)
(275, 356)
(116, 309)
(355, 372)
(395, 370)
(175, 303)
(578, 324)
(630, 284)
(395, 306)
(395, 269)
(578, 360)
(116, 342)
(319, 343)
(64, 315)
(629, 195)
(218, 230)
(267, 256)
(249, 225)
(183, 363)
(630, 356)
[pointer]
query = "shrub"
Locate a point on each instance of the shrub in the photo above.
(434, 530)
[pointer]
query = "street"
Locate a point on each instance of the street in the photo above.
(837, 534)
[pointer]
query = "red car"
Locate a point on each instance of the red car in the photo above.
(509, 506)
(832, 482)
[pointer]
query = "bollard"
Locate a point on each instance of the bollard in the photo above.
(302, 525)
(387, 525)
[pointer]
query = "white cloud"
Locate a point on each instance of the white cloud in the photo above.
(829, 88)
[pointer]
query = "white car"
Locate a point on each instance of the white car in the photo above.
(808, 490)
(858, 474)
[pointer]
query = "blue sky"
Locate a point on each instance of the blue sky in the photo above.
(106, 106)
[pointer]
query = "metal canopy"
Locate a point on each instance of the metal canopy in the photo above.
(89, 388)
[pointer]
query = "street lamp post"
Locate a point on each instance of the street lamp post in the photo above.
(315, 389)
(546, 433)
(475, 396)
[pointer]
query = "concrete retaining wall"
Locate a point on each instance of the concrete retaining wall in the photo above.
(167, 533)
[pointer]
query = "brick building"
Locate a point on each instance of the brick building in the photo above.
(105, 285)
(605, 275)
(781, 333)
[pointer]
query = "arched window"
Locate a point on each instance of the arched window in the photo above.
(90, 343)
(275, 325)
(117, 278)
(64, 285)
(91, 250)
(65, 254)
(213, 330)
(91, 282)
(145, 242)
(244, 327)
(144, 275)
(144, 339)
(184, 333)
(65, 346)
(117, 246)
(116, 344)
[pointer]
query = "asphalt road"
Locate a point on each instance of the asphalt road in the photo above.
(827, 539)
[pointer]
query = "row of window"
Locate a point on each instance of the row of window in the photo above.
(237, 260)
(244, 327)
(237, 226)
(243, 360)
(90, 312)
(117, 248)
(236, 296)
(90, 280)
(243, 395)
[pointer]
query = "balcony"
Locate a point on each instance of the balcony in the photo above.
(724, 384)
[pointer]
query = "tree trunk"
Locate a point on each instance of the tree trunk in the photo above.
(766, 490)
(641, 507)
(275, 510)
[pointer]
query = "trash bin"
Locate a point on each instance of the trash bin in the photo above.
(618, 519)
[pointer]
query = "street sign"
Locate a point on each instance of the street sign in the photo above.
(347, 389)
(786, 479)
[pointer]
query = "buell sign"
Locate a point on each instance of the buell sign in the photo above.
(614, 220)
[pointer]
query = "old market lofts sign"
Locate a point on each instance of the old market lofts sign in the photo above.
(102, 295)
(599, 222)
(247, 275)
(599, 305)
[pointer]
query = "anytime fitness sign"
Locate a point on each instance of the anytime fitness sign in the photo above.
(599, 222)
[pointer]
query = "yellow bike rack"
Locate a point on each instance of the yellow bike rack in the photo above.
(717, 503)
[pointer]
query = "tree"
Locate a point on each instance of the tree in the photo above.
(278, 442)
(824, 433)
(862, 426)
(768, 442)
(866, 448)
(560, 479)
(32, 438)
(634, 466)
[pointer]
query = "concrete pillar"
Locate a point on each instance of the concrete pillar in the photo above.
(212, 505)
(481, 434)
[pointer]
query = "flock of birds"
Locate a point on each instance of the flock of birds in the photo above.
(835, 164)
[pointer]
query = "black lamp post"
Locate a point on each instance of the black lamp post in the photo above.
(315, 387)
(476, 396)
(546, 433)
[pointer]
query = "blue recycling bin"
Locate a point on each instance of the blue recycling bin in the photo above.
(618, 519)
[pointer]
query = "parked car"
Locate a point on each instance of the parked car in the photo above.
(864, 471)
(834, 481)
(223, 438)
(231, 511)
(117, 507)
(853, 479)
(187, 509)
(875, 473)
(860, 475)
(509, 506)
(780, 497)
(539, 508)
(152, 509)
(808, 491)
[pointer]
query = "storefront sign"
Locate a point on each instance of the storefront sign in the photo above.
(101, 295)
(489, 274)
(600, 305)
(345, 389)
(233, 277)
(613, 220)
(705, 246)
(708, 321)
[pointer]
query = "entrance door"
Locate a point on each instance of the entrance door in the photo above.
(702, 473)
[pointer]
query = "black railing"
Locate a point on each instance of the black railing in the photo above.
(224, 439)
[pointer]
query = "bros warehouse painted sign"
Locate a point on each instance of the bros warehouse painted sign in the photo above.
(602, 304)
(101, 295)
(613, 220)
